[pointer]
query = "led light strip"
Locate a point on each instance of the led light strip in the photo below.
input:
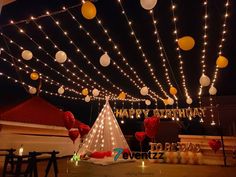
(173, 6)
(85, 57)
(163, 55)
(116, 49)
(222, 40)
(137, 41)
(203, 57)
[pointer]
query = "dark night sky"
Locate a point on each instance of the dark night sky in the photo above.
(190, 22)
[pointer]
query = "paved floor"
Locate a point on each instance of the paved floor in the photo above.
(134, 169)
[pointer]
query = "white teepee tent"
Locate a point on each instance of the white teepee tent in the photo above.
(105, 134)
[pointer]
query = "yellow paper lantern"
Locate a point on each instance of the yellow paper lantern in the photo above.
(85, 92)
(222, 62)
(186, 43)
(173, 90)
(88, 10)
(122, 96)
(34, 76)
(165, 101)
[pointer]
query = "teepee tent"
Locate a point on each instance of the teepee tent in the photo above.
(105, 134)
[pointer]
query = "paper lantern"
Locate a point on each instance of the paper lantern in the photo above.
(34, 76)
(189, 100)
(222, 62)
(27, 55)
(105, 60)
(148, 4)
(144, 91)
(85, 92)
(87, 99)
(61, 90)
(186, 43)
(61, 57)
(173, 90)
(204, 80)
(95, 92)
(32, 90)
(170, 101)
(122, 96)
(88, 10)
(212, 90)
(147, 102)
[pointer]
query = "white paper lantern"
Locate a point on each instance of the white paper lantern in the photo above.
(61, 57)
(61, 90)
(27, 55)
(212, 90)
(87, 99)
(170, 101)
(148, 4)
(144, 91)
(95, 92)
(147, 102)
(105, 60)
(32, 90)
(189, 100)
(204, 80)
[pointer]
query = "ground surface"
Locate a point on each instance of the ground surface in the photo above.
(134, 169)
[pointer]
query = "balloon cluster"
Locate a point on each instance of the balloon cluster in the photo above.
(151, 125)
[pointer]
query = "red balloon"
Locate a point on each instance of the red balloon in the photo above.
(69, 120)
(140, 136)
(214, 144)
(151, 125)
(83, 129)
(101, 154)
(73, 134)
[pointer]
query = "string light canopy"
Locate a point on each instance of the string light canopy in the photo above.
(47, 45)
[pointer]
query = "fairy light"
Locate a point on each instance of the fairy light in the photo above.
(203, 57)
(178, 51)
(88, 61)
(42, 91)
(139, 46)
(222, 41)
(116, 49)
(163, 55)
(74, 74)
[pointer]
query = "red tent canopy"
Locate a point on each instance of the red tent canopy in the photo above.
(35, 111)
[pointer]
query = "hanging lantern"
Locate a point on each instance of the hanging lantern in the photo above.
(61, 90)
(147, 102)
(189, 100)
(27, 55)
(88, 10)
(173, 90)
(85, 92)
(170, 101)
(34, 76)
(122, 96)
(87, 99)
(61, 57)
(186, 43)
(105, 60)
(204, 80)
(222, 62)
(32, 90)
(144, 91)
(212, 90)
(95, 92)
(148, 4)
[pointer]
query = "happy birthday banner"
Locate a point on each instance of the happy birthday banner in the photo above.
(162, 113)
